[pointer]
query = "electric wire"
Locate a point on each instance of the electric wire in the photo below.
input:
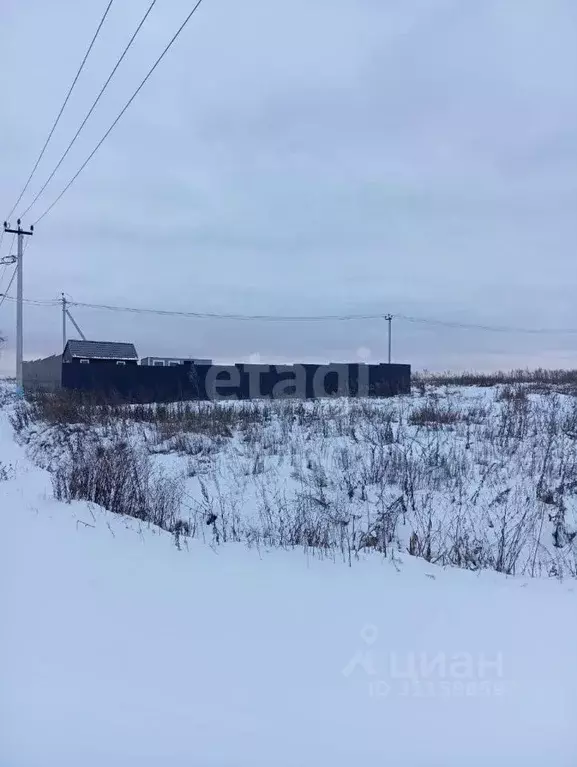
(488, 328)
(62, 108)
(122, 112)
(326, 318)
(220, 316)
(91, 110)
(4, 296)
(301, 318)
(5, 266)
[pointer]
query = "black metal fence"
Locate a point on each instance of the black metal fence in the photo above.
(221, 382)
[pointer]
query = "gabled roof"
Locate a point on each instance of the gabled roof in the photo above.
(101, 350)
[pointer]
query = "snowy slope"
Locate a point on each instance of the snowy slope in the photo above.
(117, 649)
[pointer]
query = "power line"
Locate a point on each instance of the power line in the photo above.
(325, 318)
(238, 317)
(301, 318)
(4, 296)
(5, 266)
(31, 301)
(126, 106)
(92, 108)
(62, 108)
(488, 328)
(2, 233)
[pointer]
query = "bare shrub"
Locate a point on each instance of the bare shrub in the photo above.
(512, 393)
(20, 417)
(70, 407)
(120, 479)
(471, 378)
(6, 472)
(514, 421)
(432, 414)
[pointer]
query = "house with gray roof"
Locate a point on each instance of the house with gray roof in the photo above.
(89, 352)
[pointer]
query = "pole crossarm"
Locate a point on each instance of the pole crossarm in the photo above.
(8, 230)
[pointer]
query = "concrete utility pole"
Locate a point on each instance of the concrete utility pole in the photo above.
(63, 322)
(19, 295)
(389, 319)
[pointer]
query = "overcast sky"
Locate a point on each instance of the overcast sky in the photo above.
(303, 157)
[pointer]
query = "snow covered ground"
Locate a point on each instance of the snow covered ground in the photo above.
(119, 649)
(480, 478)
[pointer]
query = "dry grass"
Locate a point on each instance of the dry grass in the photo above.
(475, 482)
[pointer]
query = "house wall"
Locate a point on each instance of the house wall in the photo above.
(43, 375)
(169, 361)
(165, 384)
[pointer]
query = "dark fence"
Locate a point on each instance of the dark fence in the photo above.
(42, 375)
(219, 382)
